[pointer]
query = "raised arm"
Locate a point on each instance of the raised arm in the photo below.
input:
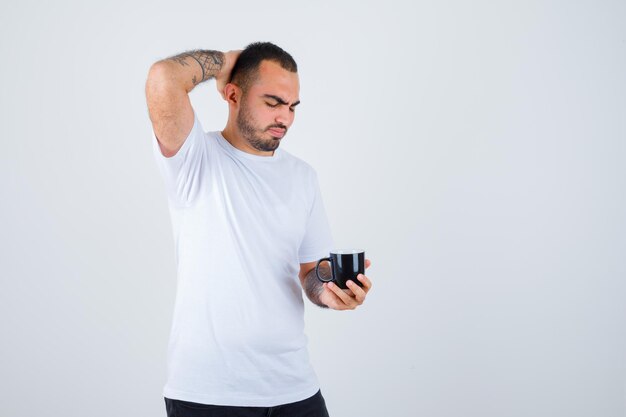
(167, 92)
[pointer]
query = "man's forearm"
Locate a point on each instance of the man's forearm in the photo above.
(313, 287)
(193, 67)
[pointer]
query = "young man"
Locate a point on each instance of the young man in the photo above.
(248, 219)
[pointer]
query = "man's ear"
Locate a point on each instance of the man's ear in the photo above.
(232, 94)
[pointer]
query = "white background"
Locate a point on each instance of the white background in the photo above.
(475, 150)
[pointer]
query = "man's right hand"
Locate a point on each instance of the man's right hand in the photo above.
(223, 77)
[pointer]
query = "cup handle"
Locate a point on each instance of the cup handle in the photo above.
(317, 267)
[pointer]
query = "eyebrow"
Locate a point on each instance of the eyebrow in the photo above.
(280, 100)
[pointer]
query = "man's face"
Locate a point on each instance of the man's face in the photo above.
(267, 109)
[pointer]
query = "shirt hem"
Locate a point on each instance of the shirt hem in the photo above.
(239, 401)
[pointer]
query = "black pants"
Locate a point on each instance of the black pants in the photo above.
(314, 406)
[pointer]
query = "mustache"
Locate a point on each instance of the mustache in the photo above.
(280, 126)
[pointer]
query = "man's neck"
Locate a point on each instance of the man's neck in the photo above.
(235, 138)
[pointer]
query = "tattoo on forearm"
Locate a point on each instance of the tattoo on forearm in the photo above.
(210, 61)
(313, 286)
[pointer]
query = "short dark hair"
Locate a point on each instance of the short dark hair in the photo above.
(246, 69)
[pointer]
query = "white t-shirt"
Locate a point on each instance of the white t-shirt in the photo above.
(242, 225)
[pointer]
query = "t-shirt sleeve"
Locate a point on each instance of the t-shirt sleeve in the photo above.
(183, 173)
(318, 240)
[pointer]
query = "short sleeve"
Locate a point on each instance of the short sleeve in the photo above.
(184, 173)
(318, 240)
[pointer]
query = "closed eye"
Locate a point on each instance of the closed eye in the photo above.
(291, 109)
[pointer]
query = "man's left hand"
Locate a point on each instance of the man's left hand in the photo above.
(340, 299)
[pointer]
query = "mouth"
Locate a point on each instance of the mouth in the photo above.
(277, 132)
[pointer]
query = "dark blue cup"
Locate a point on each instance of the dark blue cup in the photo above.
(345, 265)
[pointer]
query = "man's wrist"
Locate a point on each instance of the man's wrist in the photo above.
(210, 61)
(198, 65)
(313, 287)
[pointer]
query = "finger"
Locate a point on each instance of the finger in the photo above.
(359, 293)
(347, 300)
(367, 284)
(220, 89)
(331, 299)
(367, 263)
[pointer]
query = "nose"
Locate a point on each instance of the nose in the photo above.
(285, 116)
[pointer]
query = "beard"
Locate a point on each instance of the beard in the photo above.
(252, 135)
